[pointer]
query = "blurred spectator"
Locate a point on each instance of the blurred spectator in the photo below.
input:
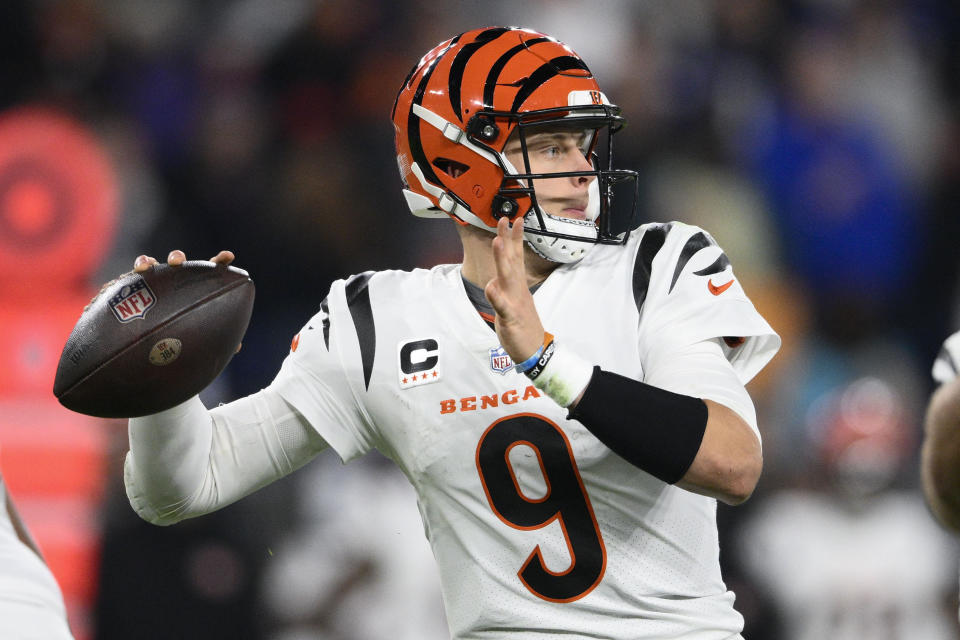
(359, 565)
(853, 554)
(838, 194)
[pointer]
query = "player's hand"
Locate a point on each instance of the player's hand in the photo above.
(177, 258)
(517, 323)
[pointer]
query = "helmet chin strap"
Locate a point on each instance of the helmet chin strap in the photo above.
(564, 250)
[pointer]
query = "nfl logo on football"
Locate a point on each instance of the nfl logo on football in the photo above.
(133, 301)
(500, 361)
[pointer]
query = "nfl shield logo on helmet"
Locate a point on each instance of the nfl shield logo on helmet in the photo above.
(132, 301)
(500, 361)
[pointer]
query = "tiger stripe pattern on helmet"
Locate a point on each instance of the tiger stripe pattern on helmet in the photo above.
(462, 102)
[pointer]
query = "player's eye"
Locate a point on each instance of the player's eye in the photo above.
(553, 151)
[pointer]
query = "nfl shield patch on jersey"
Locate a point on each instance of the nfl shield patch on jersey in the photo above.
(418, 362)
(500, 361)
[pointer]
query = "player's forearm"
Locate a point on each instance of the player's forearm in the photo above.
(187, 461)
(168, 461)
(700, 439)
(728, 464)
(940, 457)
(700, 445)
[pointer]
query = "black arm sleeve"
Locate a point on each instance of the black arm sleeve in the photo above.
(656, 430)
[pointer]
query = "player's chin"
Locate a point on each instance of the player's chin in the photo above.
(574, 214)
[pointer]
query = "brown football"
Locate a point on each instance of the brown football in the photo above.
(151, 340)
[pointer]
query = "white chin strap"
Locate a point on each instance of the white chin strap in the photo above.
(564, 250)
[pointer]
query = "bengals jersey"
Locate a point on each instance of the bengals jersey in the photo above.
(538, 528)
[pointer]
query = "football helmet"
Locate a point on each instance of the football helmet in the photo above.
(861, 435)
(467, 97)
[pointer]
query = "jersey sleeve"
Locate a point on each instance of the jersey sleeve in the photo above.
(687, 292)
(316, 381)
(947, 365)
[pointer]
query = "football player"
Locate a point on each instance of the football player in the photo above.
(568, 402)
(31, 605)
(940, 456)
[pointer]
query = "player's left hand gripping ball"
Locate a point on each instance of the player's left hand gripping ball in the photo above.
(153, 339)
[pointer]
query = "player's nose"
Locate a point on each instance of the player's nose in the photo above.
(583, 164)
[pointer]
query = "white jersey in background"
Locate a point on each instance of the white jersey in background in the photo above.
(538, 529)
(31, 606)
(881, 569)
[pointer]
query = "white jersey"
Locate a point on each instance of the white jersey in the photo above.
(31, 607)
(882, 569)
(538, 529)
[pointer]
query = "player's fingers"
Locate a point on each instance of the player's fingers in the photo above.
(501, 259)
(176, 258)
(516, 233)
(142, 263)
(516, 239)
(513, 242)
(494, 296)
(224, 257)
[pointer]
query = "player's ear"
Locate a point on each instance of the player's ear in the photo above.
(450, 167)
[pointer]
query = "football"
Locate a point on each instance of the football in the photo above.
(151, 340)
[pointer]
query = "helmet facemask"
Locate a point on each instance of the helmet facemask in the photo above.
(468, 97)
(555, 237)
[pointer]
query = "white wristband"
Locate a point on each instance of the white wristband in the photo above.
(565, 376)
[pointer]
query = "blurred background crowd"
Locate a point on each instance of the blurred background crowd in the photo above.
(817, 140)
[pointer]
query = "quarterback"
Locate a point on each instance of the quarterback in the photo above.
(568, 402)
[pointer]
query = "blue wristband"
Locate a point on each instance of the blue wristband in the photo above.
(529, 363)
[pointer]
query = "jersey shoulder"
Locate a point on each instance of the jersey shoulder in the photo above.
(675, 258)
(361, 312)
(686, 291)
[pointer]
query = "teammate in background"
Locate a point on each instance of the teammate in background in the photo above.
(940, 457)
(828, 554)
(31, 605)
(568, 402)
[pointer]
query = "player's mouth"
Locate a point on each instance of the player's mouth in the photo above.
(578, 211)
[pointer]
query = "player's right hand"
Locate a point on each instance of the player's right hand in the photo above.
(177, 258)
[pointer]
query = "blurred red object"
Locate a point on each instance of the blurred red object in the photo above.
(58, 201)
(58, 216)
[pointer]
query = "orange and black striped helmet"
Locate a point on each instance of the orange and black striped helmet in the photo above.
(459, 106)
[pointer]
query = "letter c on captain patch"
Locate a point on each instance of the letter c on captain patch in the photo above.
(418, 362)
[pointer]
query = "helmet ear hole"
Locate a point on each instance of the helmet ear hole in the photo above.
(504, 207)
(483, 128)
(450, 167)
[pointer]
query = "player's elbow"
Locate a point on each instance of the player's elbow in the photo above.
(741, 481)
(730, 478)
(141, 503)
(728, 465)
